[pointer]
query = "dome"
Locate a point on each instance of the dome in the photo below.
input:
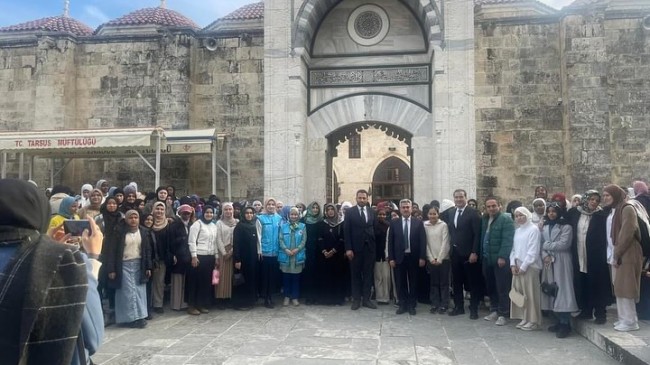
(250, 11)
(158, 16)
(60, 23)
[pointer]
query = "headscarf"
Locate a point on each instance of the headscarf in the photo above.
(86, 187)
(310, 218)
(205, 209)
(284, 213)
(232, 221)
(252, 222)
(640, 187)
(90, 204)
(64, 208)
(130, 189)
(99, 184)
(527, 213)
(332, 222)
(144, 217)
(266, 202)
(111, 191)
(584, 202)
(117, 190)
(159, 223)
(538, 200)
(111, 219)
(560, 214)
(261, 209)
(559, 198)
(293, 225)
(618, 196)
(22, 206)
(445, 205)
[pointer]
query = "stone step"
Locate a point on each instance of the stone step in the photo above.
(630, 348)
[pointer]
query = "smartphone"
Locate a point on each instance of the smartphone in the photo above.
(76, 227)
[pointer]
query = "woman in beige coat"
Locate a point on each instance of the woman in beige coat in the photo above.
(627, 257)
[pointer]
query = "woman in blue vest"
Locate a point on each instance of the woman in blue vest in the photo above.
(270, 233)
(293, 236)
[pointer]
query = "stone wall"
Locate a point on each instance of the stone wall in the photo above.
(518, 116)
(562, 101)
(169, 80)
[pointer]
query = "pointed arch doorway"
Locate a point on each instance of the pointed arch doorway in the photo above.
(369, 155)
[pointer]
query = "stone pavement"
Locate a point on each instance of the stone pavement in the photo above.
(337, 335)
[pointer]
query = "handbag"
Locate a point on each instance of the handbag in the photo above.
(215, 277)
(238, 279)
(549, 286)
(517, 298)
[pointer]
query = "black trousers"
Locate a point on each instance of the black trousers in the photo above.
(498, 281)
(469, 275)
(590, 301)
(361, 270)
(406, 280)
(269, 276)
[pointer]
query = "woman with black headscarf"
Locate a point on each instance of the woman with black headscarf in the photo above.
(589, 250)
(558, 268)
(109, 221)
(330, 262)
(310, 276)
(246, 256)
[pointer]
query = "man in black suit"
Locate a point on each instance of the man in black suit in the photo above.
(359, 233)
(407, 243)
(465, 232)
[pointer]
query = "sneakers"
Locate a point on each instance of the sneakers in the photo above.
(491, 317)
(203, 310)
(622, 327)
(530, 326)
(193, 311)
(501, 321)
(295, 302)
(563, 330)
(521, 324)
(286, 301)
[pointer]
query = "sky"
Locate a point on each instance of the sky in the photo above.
(96, 12)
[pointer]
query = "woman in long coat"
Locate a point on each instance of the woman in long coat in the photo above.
(589, 250)
(627, 258)
(558, 268)
(330, 262)
(310, 276)
(246, 257)
(225, 228)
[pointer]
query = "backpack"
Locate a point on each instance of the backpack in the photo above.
(644, 226)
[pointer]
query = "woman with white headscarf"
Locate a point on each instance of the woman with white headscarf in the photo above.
(526, 263)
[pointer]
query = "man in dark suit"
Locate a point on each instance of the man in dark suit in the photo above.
(407, 243)
(465, 232)
(359, 233)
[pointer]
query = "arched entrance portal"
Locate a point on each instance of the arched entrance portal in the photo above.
(360, 154)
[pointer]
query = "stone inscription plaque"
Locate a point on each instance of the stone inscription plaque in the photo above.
(369, 76)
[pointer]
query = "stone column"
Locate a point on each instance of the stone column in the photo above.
(454, 164)
(285, 107)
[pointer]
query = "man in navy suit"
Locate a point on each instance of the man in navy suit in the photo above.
(359, 233)
(465, 232)
(407, 244)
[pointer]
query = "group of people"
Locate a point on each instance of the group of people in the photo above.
(558, 257)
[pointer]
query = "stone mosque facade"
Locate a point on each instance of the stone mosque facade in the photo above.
(406, 98)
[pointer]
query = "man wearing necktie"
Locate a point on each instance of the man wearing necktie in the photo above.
(407, 245)
(464, 226)
(359, 236)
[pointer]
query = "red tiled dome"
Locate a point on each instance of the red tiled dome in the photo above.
(153, 16)
(51, 24)
(250, 11)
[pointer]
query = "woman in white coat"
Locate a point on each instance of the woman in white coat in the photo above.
(526, 264)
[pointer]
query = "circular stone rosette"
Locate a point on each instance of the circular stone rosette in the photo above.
(368, 25)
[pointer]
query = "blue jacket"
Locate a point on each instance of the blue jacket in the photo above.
(300, 237)
(270, 233)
